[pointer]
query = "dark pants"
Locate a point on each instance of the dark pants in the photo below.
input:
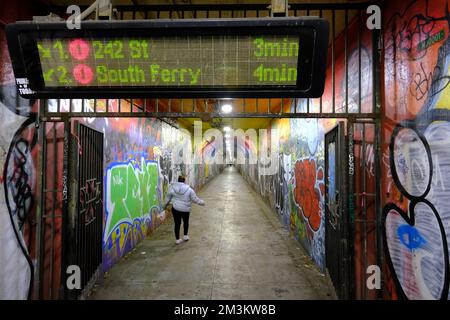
(177, 216)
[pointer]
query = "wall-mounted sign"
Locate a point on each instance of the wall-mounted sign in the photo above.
(171, 58)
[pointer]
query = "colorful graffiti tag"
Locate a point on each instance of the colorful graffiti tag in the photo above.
(416, 223)
(415, 238)
(309, 191)
(131, 200)
(16, 203)
(142, 159)
(301, 176)
(18, 171)
(296, 190)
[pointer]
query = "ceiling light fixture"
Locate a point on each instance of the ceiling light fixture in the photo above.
(227, 108)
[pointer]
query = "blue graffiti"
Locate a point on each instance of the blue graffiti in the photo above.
(410, 237)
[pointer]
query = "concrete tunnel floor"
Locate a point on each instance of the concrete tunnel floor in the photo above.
(238, 249)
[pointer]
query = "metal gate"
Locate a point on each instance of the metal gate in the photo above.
(336, 217)
(364, 204)
(52, 210)
(85, 223)
(340, 17)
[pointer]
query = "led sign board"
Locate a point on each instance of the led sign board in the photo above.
(170, 58)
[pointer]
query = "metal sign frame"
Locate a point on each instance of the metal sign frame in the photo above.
(312, 32)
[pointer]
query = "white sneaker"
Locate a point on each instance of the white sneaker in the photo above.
(186, 238)
(178, 241)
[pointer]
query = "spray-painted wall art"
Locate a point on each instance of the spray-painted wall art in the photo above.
(297, 191)
(416, 137)
(18, 154)
(142, 158)
(17, 199)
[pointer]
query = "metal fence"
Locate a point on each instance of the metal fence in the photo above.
(341, 17)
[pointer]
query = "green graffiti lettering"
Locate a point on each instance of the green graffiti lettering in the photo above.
(132, 193)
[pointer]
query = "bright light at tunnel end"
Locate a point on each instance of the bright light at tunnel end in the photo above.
(247, 146)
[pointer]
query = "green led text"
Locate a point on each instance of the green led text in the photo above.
(275, 49)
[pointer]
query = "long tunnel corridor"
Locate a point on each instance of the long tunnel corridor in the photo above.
(316, 131)
(238, 249)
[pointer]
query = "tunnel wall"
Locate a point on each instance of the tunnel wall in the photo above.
(139, 156)
(416, 170)
(299, 198)
(296, 191)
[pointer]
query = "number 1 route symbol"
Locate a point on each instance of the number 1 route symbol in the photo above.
(83, 74)
(79, 49)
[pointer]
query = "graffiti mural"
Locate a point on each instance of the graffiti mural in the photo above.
(18, 149)
(133, 189)
(303, 144)
(415, 238)
(142, 158)
(300, 175)
(309, 191)
(416, 214)
(131, 202)
(296, 190)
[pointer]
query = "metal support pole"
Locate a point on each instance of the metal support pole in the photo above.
(40, 126)
(65, 206)
(350, 209)
(376, 106)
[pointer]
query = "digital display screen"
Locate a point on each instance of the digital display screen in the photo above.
(179, 58)
(188, 61)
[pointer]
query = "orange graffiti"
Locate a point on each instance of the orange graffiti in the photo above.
(306, 195)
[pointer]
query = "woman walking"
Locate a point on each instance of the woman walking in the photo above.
(181, 196)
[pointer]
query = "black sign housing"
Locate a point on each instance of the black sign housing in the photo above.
(46, 63)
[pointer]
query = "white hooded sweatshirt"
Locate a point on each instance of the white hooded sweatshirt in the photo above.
(181, 195)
